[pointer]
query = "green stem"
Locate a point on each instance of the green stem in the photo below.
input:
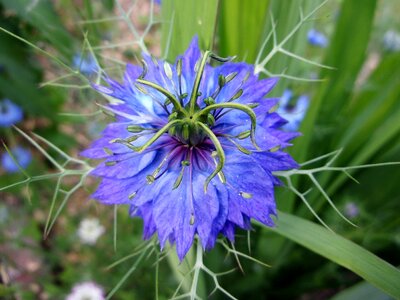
(197, 269)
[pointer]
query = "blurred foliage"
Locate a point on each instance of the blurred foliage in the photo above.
(244, 18)
(21, 73)
(186, 19)
(355, 108)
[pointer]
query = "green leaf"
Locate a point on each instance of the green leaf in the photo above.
(341, 251)
(301, 146)
(42, 16)
(346, 53)
(21, 77)
(6, 291)
(371, 123)
(286, 16)
(362, 290)
(240, 28)
(185, 19)
(373, 118)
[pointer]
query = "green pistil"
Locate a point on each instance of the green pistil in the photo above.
(199, 75)
(158, 134)
(125, 143)
(239, 147)
(178, 180)
(220, 153)
(190, 124)
(174, 101)
(246, 109)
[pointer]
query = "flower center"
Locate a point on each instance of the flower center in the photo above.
(188, 131)
(189, 123)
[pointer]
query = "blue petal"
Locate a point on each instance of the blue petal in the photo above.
(317, 38)
(117, 191)
(275, 161)
(140, 105)
(132, 73)
(231, 88)
(10, 113)
(86, 64)
(173, 213)
(229, 231)
(253, 90)
(211, 209)
(127, 165)
(184, 211)
(255, 182)
(286, 96)
(21, 155)
(146, 213)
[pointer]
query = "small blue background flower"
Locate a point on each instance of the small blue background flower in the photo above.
(351, 210)
(317, 38)
(86, 64)
(294, 113)
(21, 155)
(10, 113)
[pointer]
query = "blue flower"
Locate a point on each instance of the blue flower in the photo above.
(10, 113)
(351, 210)
(193, 148)
(87, 65)
(21, 155)
(294, 114)
(317, 38)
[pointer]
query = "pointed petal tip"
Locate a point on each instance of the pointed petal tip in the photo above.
(101, 88)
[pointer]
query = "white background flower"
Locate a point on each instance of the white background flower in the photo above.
(86, 291)
(90, 230)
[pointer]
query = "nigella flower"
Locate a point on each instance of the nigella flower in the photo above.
(293, 113)
(10, 113)
(86, 64)
(193, 148)
(317, 38)
(86, 291)
(90, 230)
(21, 155)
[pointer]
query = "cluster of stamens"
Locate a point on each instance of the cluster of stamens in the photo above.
(189, 123)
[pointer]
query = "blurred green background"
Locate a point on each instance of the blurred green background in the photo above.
(354, 106)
